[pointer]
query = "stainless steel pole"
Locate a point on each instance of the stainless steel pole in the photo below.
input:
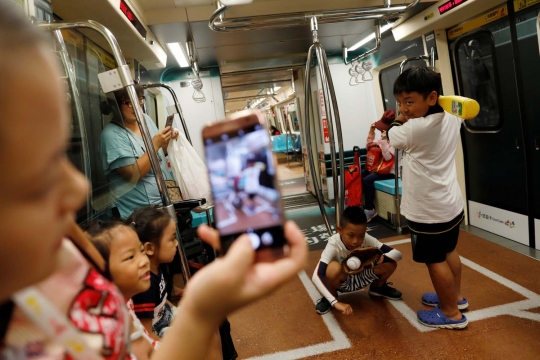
(72, 77)
(339, 133)
(331, 133)
(176, 105)
(219, 24)
(396, 156)
(307, 127)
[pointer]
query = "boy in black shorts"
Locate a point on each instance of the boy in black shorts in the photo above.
(432, 201)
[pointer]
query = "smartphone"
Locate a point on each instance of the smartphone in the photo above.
(169, 121)
(242, 173)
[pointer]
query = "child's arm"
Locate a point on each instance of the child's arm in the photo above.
(147, 323)
(400, 134)
(143, 306)
(141, 348)
(371, 135)
(386, 148)
(387, 251)
(319, 279)
(224, 286)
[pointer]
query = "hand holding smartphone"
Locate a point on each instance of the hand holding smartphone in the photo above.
(242, 175)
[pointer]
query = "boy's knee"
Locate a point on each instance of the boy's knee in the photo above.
(334, 271)
(386, 268)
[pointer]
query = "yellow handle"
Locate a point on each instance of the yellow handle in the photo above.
(460, 106)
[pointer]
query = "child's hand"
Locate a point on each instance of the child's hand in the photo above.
(345, 309)
(402, 118)
(235, 280)
(384, 136)
(372, 128)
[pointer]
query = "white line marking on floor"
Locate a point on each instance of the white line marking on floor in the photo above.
(503, 281)
(340, 341)
(410, 315)
(516, 308)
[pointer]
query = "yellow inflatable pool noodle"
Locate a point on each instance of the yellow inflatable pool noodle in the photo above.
(460, 106)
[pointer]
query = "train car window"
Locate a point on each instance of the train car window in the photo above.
(475, 60)
(151, 106)
(387, 77)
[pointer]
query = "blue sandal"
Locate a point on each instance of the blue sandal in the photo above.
(431, 299)
(435, 318)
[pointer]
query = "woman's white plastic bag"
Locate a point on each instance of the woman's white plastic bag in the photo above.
(190, 172)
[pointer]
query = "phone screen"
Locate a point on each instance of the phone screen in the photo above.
(243, 179)
(169, 121)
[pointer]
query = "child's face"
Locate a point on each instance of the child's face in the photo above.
(39, 187)
(413, 105)
(128, 263)
(352, 235)
(168, 244)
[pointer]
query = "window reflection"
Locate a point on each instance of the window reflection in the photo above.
(475, 63)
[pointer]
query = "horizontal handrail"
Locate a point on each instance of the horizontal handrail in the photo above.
(219, 24)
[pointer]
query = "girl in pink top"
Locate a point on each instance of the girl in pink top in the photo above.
(368, 178)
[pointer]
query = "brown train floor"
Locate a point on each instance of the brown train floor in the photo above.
(286, 320)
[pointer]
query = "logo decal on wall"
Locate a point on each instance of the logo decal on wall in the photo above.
(511, 224)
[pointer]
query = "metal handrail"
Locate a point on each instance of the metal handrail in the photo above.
(219, 24)
(332, 112)
(367, 53)
(72, 78)
(538, 29)
(176, 105)
(127, 82)
(182, 120)
(431, 62)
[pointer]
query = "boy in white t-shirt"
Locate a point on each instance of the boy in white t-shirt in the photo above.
(252, 183)
(431, 201)
(329, 277)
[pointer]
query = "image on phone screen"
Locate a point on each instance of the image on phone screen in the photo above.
(242, 176)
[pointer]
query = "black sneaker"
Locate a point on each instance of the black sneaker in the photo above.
(386, 292)
(323, 306)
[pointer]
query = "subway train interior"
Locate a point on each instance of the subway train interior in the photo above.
(321, 73)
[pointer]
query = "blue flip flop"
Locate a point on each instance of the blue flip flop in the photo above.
(435, 318)
(431, 299)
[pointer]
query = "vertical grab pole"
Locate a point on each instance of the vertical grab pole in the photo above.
(307, 124)
(337, 119)
(431, 60)
(331, 133)
(538, 29)
(78, 108)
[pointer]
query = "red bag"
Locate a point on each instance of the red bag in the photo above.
(353, 181)
(385, 166)
(373, 158)
(375, 162)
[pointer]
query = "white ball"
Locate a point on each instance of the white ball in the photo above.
(353, 263)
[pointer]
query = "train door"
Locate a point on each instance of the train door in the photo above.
(529, 65)
(484, 59)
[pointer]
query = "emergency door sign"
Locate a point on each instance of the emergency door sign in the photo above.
(323, 117)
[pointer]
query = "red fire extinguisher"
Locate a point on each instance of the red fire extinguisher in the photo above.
(353, 181)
